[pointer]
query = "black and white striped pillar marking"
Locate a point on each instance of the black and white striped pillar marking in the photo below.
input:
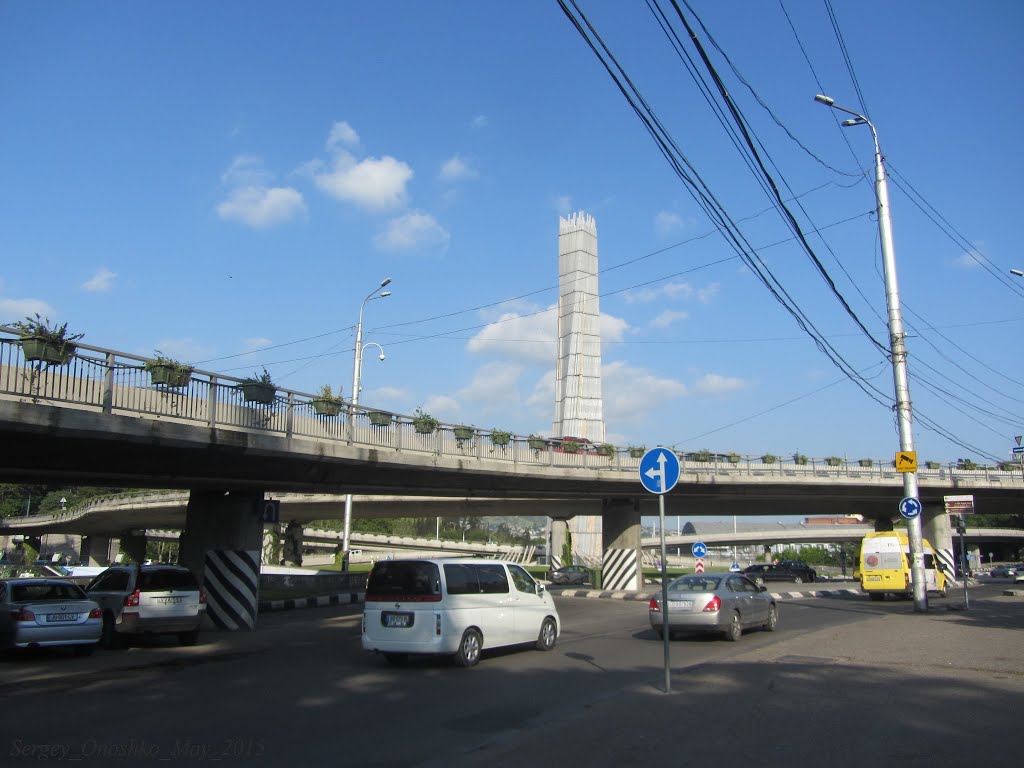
(946, 562)
(620, 569)
(232, 588)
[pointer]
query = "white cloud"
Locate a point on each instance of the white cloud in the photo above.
(442, 407)
(527, 338)
(480, 121)
(717, 385)
(342, 133)
(254, 344)
(246, 171)
(101, 282)
(262, 207)
(666, 222)
(563, 203)
(967, 260)
(374, 183)
(183, 349)
(668, 317)
(414, 230)
(456, 168)
(631, 394)
(673, 290)
(16, 310)
(493, 383)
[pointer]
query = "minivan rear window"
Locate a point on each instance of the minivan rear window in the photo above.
(408, 581)
(167, 579)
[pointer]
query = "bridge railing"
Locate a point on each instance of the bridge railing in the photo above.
(100, 379)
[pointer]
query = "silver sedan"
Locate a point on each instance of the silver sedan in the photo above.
(46, 612)
(714, 602)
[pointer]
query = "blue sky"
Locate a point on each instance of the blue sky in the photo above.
(226, 183)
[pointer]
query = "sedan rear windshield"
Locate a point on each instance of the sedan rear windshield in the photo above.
(695, 584)
(34, 593)
(403, 580)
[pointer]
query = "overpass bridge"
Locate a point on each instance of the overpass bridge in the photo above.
(99, 418)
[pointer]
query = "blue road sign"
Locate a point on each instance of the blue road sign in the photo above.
(659, 470)
(699, 549)
(1018, 449)
(910, 508)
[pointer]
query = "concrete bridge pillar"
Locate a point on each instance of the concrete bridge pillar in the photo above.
(559, 535)
(935, 527)
(221, 544)
(620, 526)
(883, 524)
(133, 544)
(95, 550)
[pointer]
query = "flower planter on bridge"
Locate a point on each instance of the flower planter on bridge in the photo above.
(258, 393)
(35, 349)
(380, 418)
(323, 407)
(170, 376)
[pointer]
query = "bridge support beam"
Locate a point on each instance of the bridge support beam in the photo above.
(133, 545)
(559, 535)
(221, 544)
(935, 527)
(883, 524)
(620, 526)
(95, 550)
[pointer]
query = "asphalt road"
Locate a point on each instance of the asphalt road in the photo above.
(300, 691)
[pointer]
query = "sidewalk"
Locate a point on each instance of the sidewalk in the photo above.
(901, 689)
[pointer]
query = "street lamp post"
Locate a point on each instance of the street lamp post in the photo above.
(357, 367)
(898, 351)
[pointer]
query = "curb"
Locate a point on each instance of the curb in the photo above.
(319, 601)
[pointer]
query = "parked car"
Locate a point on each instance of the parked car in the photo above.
(142, 599)
(454, 607)
(1019, 578)
(49, 612)
(1007, 571)
(570, 574)
(760, 574)
(714, 602)
(800, 567)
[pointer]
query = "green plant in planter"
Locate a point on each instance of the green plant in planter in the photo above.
(326, 403)
(500, 437)
(933, 465)
(259, 389)
(167, 371)
(637, 451)
(734, 458)
(702, 455)
(833, 461)
(966, 464)
(536, 442)
(606, 449)
(52, 345)
(571, 446)
(463, 433)
(865, 462)
(799, 458)
(769, 458)
(424, 423)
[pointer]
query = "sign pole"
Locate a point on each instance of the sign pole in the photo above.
(666, 635)
(963, 563)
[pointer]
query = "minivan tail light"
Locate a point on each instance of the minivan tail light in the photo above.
(653, 605)
(132, 600)
(714, 605)
(202, 595)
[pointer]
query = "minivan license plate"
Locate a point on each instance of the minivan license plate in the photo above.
(397, 620)
(168, 600)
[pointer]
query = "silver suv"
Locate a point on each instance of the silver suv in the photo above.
(140, 599)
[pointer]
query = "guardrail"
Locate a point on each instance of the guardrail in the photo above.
(95, 378)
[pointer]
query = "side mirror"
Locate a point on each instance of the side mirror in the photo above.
(762, 588)
(540, 589)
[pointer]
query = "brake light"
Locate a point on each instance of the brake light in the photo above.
(653, 605)
(132, 600)
(23, 615)
(714, 605)
(202, 595)
(95, 613)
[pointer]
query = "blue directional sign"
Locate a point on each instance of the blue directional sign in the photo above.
(659, 470)
(699, 549)
(910, 508)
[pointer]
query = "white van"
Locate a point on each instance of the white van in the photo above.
(455, 607)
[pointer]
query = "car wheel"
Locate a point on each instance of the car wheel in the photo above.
(110, 639)
(397, 659)
(188, 638)
(469, 649)
(735, 628)
(548, 635)
(85, 650)
(773, 619)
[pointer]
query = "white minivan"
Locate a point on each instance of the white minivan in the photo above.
(454, 607)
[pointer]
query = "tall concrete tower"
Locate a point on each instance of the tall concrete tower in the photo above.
(578, 406)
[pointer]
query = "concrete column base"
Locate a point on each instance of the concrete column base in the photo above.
(95, 550)
(559, 535)
(936, 529)
(221, 544)
(134, 546)
(620, 525)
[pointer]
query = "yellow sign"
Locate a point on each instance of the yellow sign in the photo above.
(906, 461)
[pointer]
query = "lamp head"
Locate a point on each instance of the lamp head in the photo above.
(385, 281)
(1017, 272)
(828, 101)
(853, 121)
(384, 295)
(381, 355)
